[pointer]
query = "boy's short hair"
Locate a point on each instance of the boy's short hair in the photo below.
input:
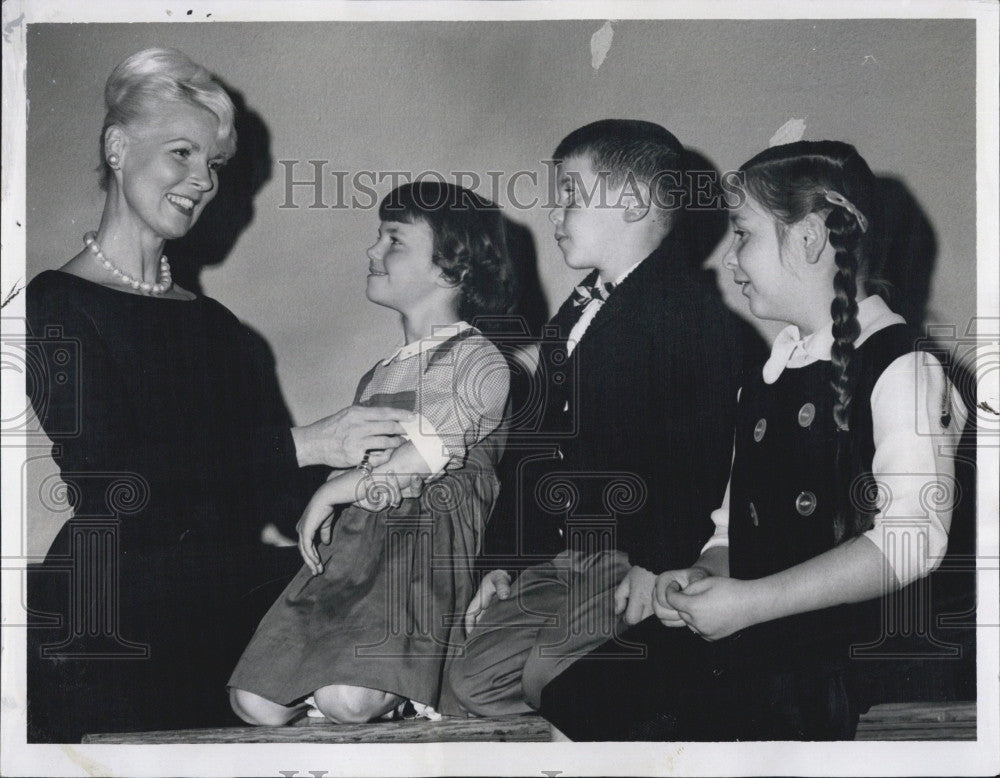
(623, 148)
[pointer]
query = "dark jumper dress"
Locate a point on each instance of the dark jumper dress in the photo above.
(783, 679)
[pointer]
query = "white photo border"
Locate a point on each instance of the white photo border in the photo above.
(856, 758)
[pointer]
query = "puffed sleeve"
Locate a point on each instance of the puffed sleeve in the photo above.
(913, 465)
(461, 397)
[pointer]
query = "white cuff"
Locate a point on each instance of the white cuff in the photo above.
(428, 443)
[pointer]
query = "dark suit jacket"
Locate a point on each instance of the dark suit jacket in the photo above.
(636, 431)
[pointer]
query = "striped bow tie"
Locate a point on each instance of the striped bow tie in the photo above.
(583, 294)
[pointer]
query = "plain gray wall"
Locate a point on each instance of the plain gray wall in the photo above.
(496, 96)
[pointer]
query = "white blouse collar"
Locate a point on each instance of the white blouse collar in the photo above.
(791, 350)
(439, 334)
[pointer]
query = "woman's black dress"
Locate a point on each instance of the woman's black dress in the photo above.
(175, 447)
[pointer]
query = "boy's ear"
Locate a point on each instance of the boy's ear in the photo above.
(813, 236)
(635, 199)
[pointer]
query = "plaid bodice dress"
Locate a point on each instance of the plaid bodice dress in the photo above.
(396, 582)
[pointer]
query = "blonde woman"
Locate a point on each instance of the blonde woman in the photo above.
(165, 440)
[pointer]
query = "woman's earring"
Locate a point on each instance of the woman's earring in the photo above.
(113, 160)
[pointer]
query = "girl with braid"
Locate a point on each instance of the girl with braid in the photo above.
(837, 447)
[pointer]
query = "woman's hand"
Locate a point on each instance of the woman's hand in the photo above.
(398, 474)
(340, 440)
(673, 580)
(714, 607)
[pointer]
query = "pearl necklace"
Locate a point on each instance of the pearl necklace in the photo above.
(164, 282)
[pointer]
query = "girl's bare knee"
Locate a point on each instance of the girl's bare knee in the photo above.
(259, 711)
(353, 704)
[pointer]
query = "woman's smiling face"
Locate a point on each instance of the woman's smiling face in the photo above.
(169, 156)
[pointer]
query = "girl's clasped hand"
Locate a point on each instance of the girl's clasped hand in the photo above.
(714, 607)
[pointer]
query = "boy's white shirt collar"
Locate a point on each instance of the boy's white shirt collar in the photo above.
(591, 309)
(621, 277)
(793, 351)
(440, 334)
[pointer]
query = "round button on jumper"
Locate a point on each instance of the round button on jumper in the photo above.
(759, 430)
(753, 515)
(806, 414)
(805, 503)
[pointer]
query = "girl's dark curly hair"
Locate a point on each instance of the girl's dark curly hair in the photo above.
(470, 245)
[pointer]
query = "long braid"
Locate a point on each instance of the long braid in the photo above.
(844, 237)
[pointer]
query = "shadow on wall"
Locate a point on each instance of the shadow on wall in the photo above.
(906, 250)
(212, 239)
(932, 657)
(703, 228)
(532, 308)
(513, 332)
(208, 244)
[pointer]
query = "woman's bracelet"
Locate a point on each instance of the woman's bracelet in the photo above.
(365, 465)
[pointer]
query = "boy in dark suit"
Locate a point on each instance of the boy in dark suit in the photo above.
(638, 425)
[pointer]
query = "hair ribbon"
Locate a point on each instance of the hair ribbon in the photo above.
(836, 198)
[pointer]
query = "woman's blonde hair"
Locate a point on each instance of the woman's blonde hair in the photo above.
(161, 74)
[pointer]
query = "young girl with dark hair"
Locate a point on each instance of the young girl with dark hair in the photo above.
(366, 623)
(838, 494)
